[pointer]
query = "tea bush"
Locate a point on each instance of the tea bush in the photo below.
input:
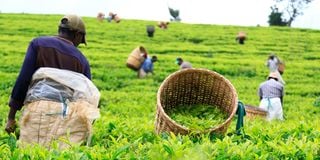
(128, 105)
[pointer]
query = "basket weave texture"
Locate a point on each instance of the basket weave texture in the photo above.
(253, 112)
(135, 59)
(191, 87)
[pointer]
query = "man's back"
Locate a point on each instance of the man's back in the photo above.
(147, 65)
(47, 52)
(55, 52)
(185, 64)
(60, 53)
(271, 89)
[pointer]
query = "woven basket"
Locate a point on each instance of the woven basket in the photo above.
(190, 87)
(253, 112)
(135, 59)
(117, 19)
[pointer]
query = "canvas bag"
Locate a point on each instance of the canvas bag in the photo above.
(60, 105)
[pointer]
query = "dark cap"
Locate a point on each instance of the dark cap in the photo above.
(154, 58)
(178, 60)
(74, 23)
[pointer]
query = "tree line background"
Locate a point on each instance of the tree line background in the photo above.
(290, 11)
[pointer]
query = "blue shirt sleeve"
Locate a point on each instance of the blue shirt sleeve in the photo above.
(22, 83)
(147, 65)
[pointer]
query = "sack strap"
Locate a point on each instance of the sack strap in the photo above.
(241, 112)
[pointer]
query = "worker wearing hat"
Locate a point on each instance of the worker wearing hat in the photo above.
(75, 25)
(183, 64)
(273, 64)
(271, 94)
(147, 66)
(59, 52)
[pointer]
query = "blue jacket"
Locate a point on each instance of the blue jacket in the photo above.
(147, 65)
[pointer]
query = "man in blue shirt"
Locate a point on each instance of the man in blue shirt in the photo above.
(50, 51)
(147, 66)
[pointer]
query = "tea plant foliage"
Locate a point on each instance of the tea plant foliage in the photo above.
(128, 105)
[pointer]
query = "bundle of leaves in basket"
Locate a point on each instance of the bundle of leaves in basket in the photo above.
(198, 117)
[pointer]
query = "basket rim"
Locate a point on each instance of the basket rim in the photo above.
(187, 70)
(252, 109)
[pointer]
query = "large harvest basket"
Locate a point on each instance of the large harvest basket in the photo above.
(253, 112)
(135, 59)
(192, 87)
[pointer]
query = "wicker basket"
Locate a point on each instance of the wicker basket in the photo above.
(253, 112)
(117, 18)
(135, 59)
(190, 87)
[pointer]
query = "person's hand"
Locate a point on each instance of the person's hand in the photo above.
(11, 126)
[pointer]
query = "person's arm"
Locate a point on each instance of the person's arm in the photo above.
(11, 123)
(21, 86)
(87, 71)
(260, 93)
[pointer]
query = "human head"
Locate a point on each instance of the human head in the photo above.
(273, 75)
(272, 56)
(154, 59)
(101, 16)
(179, 61)
(73, 26)
(241, 37)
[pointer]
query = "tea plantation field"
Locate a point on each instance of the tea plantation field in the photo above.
(126, 129)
